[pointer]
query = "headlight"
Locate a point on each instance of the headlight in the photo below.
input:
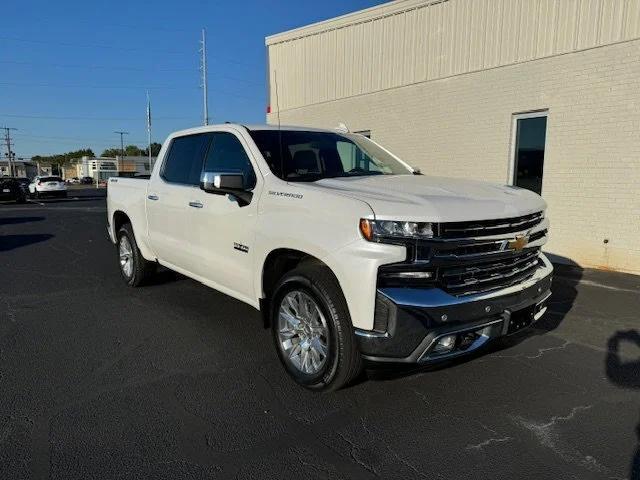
(377, 230)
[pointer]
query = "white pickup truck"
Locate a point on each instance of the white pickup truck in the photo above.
(351, 254)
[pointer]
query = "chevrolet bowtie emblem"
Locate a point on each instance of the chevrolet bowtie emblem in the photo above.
(518, 243)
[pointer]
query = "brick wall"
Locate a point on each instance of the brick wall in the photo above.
(461, 127)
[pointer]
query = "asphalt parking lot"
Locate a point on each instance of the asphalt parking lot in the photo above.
(175, 380)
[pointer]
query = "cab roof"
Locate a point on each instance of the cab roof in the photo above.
(250, 127)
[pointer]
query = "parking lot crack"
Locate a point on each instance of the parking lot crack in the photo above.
(542, 351)
(548, 435)
(487, 442)
(354, 457)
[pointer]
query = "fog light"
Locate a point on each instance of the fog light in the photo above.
(445, 344)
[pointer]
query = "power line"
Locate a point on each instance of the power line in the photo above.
(113, 47)
(98, 67)
(123, 87)
(55, 117)
(45, 138)
(89, 45)
(128, 69)
(76, 85)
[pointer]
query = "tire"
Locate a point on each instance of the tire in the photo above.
(139, 269)
(342, 362)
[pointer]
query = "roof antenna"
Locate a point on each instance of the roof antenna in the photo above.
(275, 81)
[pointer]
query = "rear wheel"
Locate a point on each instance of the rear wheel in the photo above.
(312, 329)
(135, 269)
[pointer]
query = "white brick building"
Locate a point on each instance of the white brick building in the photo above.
(501, 90)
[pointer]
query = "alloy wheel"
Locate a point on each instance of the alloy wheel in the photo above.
(303, 335)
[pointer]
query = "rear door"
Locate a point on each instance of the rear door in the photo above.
(168, 198)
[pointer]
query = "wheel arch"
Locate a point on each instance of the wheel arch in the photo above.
(275, 265)
(119, 219)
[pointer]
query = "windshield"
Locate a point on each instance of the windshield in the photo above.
(310, 156)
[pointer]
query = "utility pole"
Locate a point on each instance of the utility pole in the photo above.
(7, 140)
(121, 146)
(203, 68)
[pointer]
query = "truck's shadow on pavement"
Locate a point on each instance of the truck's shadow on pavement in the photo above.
(625, 374)
(19, 220)
(11, 242)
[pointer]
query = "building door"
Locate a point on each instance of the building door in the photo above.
(529, 136)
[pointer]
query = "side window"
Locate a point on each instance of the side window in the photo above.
(184, 160)
(226, 154)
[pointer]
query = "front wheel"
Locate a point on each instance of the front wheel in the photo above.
(135, 269)
(312, 329)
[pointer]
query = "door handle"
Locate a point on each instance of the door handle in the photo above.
(152, 197)
(195, 204)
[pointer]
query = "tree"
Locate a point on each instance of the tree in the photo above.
(155, 149)
(133, 151)
(63, 158)
(129, 150)
(110, 152)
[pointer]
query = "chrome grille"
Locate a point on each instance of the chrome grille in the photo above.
(487, 276)
(472, 256)
(484, 228)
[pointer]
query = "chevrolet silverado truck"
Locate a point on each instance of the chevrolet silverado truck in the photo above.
(351, 255)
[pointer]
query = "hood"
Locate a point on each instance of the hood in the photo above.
(435, 199)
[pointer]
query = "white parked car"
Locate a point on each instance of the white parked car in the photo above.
(350, 253)
(47, 186)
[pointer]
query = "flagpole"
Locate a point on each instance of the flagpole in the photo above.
(149, 130)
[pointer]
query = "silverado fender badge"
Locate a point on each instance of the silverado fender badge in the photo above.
(286, 194)
(240, 247)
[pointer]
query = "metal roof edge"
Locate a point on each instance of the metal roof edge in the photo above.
(368, 14)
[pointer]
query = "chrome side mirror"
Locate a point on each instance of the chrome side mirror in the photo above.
(229, 183)
(221, 182)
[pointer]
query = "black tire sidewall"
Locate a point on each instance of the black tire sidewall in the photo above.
(302, 283)
(135, 254)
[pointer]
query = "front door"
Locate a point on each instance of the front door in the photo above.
(223, 229)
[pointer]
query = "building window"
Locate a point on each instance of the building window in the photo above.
(527, 159)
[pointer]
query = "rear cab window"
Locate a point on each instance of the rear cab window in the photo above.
(183, 163)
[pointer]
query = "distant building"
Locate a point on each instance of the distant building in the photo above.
(21, 168)
(101, 168)
(544, 95)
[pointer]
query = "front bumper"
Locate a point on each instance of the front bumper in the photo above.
(416, 319)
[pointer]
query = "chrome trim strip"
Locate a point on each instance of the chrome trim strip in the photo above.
(370, 334)
(495, 276)
(435, 297)
(544, 224)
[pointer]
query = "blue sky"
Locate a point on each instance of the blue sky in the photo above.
(73, 72)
